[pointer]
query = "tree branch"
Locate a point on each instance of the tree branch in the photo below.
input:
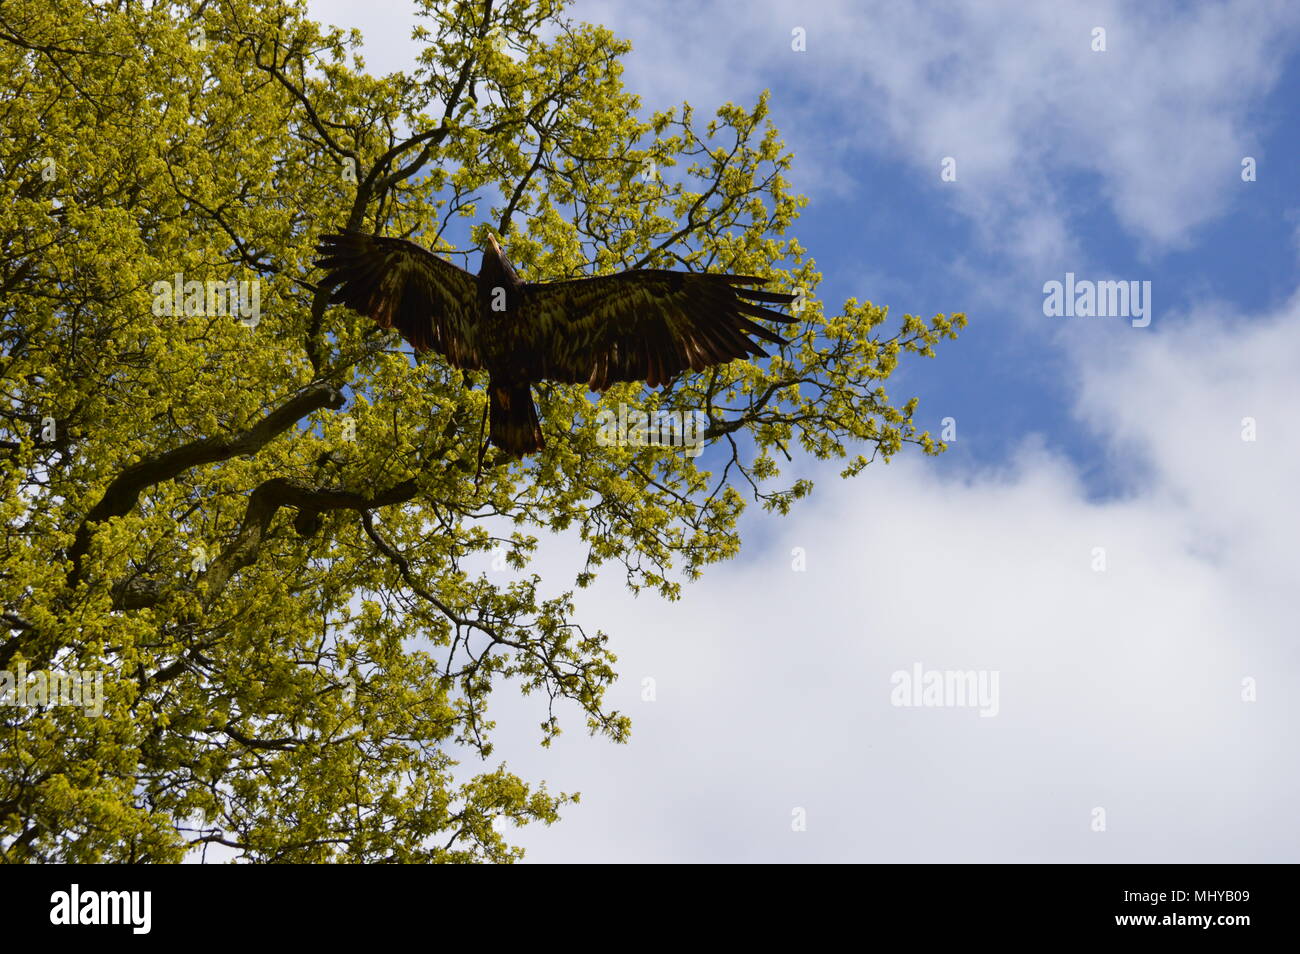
(124, 492)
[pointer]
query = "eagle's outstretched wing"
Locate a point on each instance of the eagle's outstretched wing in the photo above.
(643, 325)
(431, 302)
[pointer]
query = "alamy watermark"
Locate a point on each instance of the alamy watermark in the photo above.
(632, 427)
(212, 298)
(83, 688)
(1089, 299)
(87, 906)
(946, 689)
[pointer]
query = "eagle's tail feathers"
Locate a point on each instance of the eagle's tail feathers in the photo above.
(512, 420)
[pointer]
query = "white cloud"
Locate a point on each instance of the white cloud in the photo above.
(1157, 124)
(385, 27)
(1118, 689)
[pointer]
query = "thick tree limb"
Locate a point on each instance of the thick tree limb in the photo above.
(124, 492)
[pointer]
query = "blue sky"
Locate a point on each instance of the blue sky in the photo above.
(1008, 382)
(888, 229)
(1124, 688)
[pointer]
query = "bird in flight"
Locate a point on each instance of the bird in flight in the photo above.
(640, 325)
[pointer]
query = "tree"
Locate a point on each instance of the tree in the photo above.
(255, 516)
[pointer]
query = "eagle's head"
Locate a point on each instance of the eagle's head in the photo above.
(496, 263)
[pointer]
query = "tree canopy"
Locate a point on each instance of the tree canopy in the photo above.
(257, 516)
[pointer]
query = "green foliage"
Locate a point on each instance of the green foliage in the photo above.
(267, 534)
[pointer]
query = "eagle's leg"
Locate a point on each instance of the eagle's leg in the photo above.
(482, 445)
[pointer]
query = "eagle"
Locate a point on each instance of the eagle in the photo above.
(643, 324)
